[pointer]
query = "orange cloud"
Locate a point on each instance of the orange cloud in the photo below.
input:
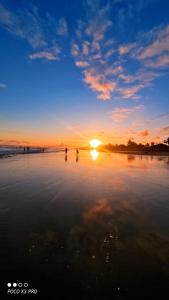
(96, 83)
(130, 92)
(125, 48)
(144, 133)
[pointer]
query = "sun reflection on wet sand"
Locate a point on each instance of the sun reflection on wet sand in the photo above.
(94, 154)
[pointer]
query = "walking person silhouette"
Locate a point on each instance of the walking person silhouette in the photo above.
(66, 150)
(77, 155)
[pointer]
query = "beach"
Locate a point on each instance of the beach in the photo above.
(9, 153)
(94, 223)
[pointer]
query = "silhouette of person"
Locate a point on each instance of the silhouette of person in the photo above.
(66, 150)
(77, 155)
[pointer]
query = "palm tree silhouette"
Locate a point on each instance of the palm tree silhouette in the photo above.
(167, 141)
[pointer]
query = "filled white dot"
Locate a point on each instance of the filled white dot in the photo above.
(14, 284)
(9, 284)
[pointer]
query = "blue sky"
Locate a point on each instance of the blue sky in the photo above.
(76, 70)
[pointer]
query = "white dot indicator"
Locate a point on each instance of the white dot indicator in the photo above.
(9, 284)
(25, 284)
(14, 284)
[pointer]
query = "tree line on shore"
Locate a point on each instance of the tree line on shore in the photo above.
(133, 146)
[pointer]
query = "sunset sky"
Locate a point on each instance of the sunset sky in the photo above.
(76, 70)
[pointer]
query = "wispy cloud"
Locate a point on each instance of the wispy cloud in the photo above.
(75, 49)
(131, 92)
(12, 142)
(96, 82)
(41, 33)
(121, 113)
(92, 51)
(43, 54)
(99, 21)
(62, 28)
(82, 63)
(160, 62)
(106, 72)
(51, 54)
(136, 82)
(95, 48)
(160, 116)
(25, 24)
(2, 85)
(127, 10)
(164, 130)
(151, 50)
(159, 43)
(142, 76)
(125, 49)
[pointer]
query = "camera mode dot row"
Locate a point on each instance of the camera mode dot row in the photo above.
(15, 284)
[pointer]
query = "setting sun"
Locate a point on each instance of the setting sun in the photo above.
(95, 143)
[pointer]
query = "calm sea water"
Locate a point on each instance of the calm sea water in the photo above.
(94, 226)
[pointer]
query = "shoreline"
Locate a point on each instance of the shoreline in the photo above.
(140, 153)
(155, 153)
(11, 154)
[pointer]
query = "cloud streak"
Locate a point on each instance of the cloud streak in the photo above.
(2, 85)
(49, 54)
(106, 72)
(165, 130)
(43, 34)
(158, 45)
(102, 59)
(151, 50)
(160, 116)
(121, 113)
(62, 27)
(25, 25)
(92, 51)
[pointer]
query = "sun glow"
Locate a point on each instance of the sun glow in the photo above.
(95, 143)
(94, 154)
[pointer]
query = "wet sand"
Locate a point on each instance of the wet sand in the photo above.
(92, 226)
